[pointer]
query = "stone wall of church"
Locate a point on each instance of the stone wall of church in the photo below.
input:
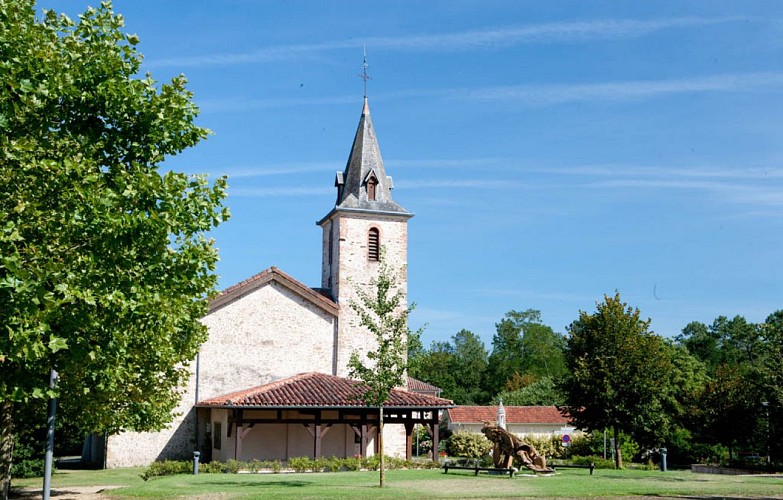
(176, 441)
(355, 271)
(266, 335)
(269, 334)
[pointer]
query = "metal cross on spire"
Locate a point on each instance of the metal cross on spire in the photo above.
(364, 76)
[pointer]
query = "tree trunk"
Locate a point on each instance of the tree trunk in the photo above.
(6, 446)
(618, 458)
(380, 448)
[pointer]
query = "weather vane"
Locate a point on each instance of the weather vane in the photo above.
(364, 76)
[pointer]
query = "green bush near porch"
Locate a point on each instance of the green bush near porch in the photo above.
(296, 464)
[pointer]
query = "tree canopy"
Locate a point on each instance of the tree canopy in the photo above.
(458, 367)
(619, 371)
(523, 345)
(104, 261)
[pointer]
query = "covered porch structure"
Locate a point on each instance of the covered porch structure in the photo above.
(312, 414)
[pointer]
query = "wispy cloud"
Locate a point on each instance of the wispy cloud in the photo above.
(281, 169)
(547, 95)
(530, 295)
(574, 31)
(733, 172)
(240, 104)
(270, 192)
(536, 95)
(735, 187)
(563, 32)
(462, 183)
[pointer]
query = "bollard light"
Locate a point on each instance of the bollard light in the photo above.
(196, 455)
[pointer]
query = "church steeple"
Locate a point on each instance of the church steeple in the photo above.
(364, 184)
(365, 227)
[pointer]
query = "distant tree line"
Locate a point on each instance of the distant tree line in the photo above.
(713, 392)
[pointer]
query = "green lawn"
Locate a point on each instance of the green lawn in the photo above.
(422, 483)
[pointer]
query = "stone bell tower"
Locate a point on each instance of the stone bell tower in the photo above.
(364, 222)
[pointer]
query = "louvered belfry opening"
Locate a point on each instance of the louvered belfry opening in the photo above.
(374, 245)
(371, 185)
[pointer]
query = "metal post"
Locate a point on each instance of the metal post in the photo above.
(196, 455)
(769, 455)
(47, 484)
(664, 451)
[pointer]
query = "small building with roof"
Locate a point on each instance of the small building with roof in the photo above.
(537, 421)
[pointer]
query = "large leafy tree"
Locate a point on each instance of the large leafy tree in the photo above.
(458, 367)
(731, 342)
(523, 346)
(730, 407)
(702, 342)
(104, 263)
(772, 377)
(743, 372)
(619, 374)
(383, 312)
(773, 358)
(541, 392)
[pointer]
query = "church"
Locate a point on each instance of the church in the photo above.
(271, 380)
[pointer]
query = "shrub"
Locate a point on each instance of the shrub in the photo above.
(335, 464)
(352, 463)
(213, 467)
(468, 445)
(319, 464)
(392, 463)
(371, 463)
(168, 468)
(28, 455)
(600, 462)
(31, 467)
(548, 446)
(300, 464)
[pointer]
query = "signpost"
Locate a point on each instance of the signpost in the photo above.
(566, 442)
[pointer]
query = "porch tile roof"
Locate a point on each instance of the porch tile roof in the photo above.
(514, 415)
(317, 390)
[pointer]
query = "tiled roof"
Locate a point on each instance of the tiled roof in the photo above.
(318, 390)
(417, 385)
(514, 414)
(232, 293)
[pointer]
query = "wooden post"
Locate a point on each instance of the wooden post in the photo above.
(363, 440)
(409, 441)
(435, 432)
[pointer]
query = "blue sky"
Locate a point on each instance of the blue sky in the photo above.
(552, 151)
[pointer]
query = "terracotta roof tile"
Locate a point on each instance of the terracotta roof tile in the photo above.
(317, 390)
(514, 414)
(234, 292)
(417, 385)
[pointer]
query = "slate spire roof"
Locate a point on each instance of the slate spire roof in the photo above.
(365, 166)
